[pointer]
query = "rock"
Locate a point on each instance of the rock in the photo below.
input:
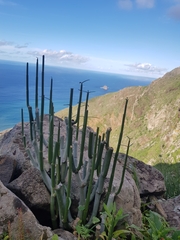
(11, 145)
(30, 188)
(16, 216)
(148, 179)
(172, 209)
(128, 199)
(155, 205)
(7, 168)
(65, 234)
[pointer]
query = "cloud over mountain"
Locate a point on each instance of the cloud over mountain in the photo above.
(146, 67)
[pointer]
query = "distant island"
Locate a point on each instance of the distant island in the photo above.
(105, 87)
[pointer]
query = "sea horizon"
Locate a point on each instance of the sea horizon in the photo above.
(13, 90)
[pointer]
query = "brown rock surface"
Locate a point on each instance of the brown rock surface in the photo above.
(149, 180)
(172, 209)
(7, 168)
(20, 219)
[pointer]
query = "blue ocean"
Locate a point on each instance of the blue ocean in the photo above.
(13, 90)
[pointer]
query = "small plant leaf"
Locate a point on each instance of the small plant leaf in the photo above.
(120, 232)
(95, 220)
(55, 237)
(81, 207)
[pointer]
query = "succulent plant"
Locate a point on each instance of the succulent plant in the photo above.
(64, 160)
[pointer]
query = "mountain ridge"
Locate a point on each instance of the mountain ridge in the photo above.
(152, 120)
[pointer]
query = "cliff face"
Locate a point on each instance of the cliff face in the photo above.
(153, 118)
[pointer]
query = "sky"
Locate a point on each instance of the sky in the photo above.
(134, 37)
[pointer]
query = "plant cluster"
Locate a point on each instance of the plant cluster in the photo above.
(65, 160)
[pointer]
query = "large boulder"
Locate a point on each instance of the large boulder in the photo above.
(15, 216)
(30, 188)
(149, 180)
(8, 169)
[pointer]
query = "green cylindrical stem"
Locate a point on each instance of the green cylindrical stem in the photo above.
(60, 191)
(75, 154)
(42, 77)
(27, 85)
(67, 205)
(50, 145)
(90, 184)
(83, 132)
(22, 122)
(83, 185)
(63, 155)
(82, 141)
(101, 180)
(41, 163)
(78, 110)
(124, 168)
(31, 119)
(58, 166)
(70, 122)
(90, 147)
(53, 166)
(36, 90)
(108, 137)
(50, 100)
(22, 127)
(34, 130)
(99, 157)
(53, 184)
(117, 151)
(37, 118)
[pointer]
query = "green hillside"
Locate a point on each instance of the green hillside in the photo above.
(153, 118)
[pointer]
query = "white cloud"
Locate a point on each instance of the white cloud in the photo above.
(125, 4)
(145, 3)
(146, 67)
(61, 56)
(174, 11)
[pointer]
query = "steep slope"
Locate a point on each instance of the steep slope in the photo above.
(153, 118)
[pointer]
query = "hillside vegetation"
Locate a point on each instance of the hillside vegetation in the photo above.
(152, 122)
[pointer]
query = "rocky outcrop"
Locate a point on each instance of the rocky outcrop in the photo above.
(25, 181)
